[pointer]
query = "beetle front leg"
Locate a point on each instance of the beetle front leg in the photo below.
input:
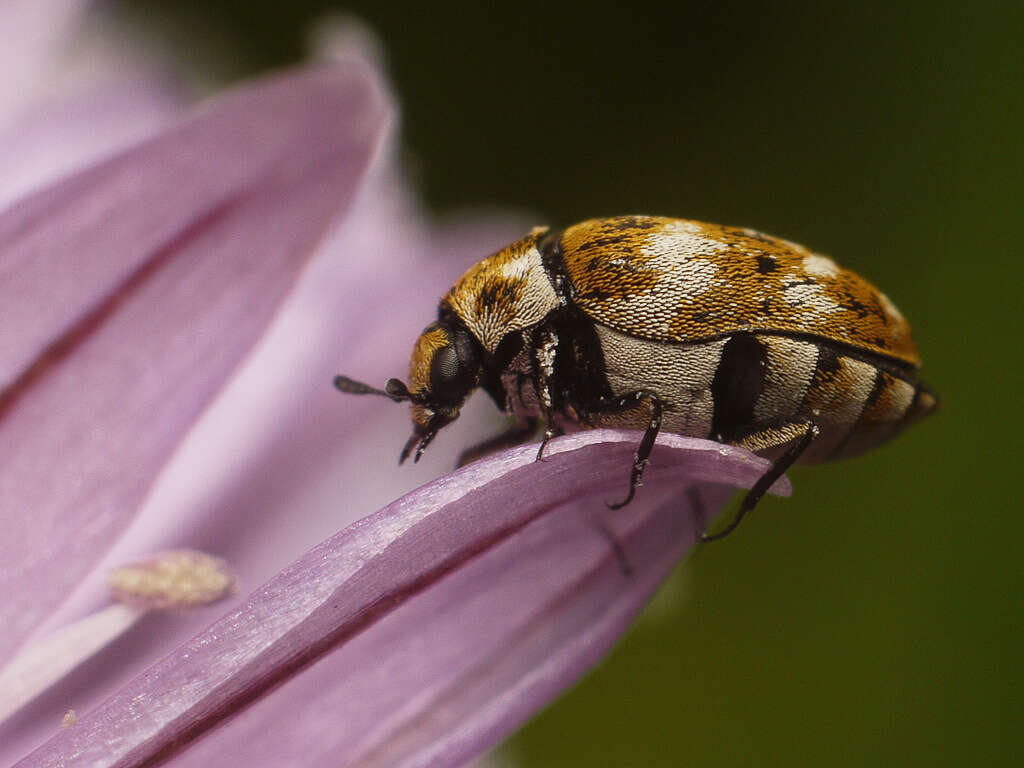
(550, 432)
(643, 451)
(545, 346)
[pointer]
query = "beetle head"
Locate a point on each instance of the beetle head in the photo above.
(444, 369)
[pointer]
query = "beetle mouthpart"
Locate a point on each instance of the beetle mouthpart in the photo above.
(411, 443)
(419, 441)
(423, 445)
(393, 390)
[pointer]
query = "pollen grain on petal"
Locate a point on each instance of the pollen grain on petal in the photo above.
(173, 579)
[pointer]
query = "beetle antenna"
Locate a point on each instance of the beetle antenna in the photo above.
(393, 389)
(397, 390)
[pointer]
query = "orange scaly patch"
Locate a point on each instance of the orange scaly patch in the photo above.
(429, 342)
(683, 281)
(504, 293)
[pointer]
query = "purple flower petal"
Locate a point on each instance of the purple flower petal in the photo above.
(270, 468)
(423, 634)
(68, 133)
(133, 290)
(34, 33)
(91, 94)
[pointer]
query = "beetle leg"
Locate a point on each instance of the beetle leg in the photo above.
(549, 432)
(545, 346)
(784, 462)
(518, 432)
(643, 451)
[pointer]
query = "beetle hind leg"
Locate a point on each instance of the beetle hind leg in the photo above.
(643, 451)
(805, 437)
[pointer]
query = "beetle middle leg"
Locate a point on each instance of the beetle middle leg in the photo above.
(808, 432)
(643, 451)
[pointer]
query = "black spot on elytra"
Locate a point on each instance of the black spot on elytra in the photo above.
(624, 223)
(850, 302)
(797, 283)
(628, 265)
(766, 264)
(602, 243)
(594, 294)
(879, 311)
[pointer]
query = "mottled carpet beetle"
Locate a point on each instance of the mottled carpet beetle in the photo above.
(657, 323)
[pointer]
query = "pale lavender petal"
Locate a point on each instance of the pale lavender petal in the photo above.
(281, 460)
(34, 33)
(423, 634)
(70, 132)
(97, 93)
(132, 291)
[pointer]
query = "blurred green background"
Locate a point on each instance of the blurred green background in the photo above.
(875, 618)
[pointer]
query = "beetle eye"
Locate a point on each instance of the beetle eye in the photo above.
(444, 367)
(448, 377)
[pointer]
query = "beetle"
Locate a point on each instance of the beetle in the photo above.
(655, 323)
